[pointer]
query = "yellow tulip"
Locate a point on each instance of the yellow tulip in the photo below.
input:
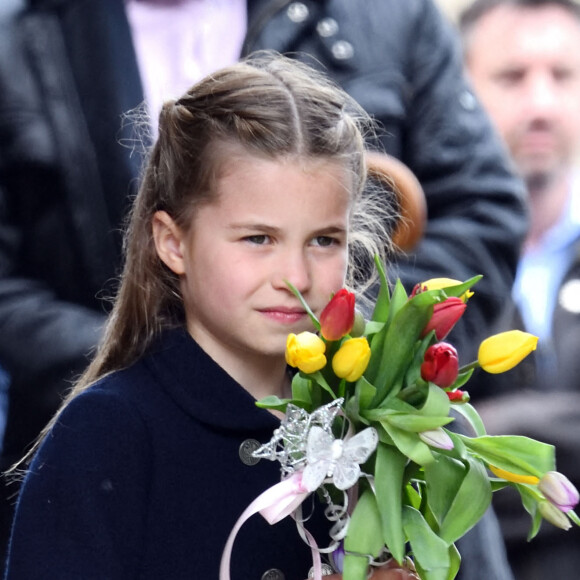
(305, 351)
(352, 359)
(442, 283)
(501, 352)
(513, 477)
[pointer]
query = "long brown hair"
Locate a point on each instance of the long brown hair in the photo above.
(270, 105)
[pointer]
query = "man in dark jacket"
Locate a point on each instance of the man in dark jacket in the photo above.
(524, 59)
(68, 73)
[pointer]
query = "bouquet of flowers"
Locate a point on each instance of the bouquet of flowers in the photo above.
(366, 429)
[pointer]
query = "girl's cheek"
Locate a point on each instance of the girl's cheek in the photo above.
(336, 276)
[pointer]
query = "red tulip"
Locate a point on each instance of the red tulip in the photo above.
(445, 315)
(458, 395)
(441, 365)
(337, 318)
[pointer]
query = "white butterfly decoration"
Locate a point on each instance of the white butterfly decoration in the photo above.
(289, 440)
(338, 459)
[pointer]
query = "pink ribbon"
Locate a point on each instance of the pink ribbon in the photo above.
(276, 503)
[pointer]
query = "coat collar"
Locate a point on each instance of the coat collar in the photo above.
(202, 388)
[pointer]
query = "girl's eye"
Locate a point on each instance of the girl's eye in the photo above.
(258, 239)
(324, 241)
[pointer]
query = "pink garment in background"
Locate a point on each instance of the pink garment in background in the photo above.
(178, 42)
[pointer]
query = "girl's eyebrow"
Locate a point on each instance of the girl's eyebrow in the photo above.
(253, 226)
(330, 230)
(327, 230)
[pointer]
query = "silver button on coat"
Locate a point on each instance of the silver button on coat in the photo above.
(297, 12)
(342, 50)
(273, 574)
(327, 27)
(246, 449)
(326, 571)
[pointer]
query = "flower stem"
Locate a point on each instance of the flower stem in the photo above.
(470, 366)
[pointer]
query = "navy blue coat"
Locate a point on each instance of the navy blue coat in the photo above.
(141, 478)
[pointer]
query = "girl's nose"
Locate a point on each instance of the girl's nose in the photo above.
(293, 268)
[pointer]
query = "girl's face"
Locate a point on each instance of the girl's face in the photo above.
(271, 221)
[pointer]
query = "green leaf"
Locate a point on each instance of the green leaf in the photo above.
(398, 299)
(459, 450)
(386, 314)
(354, 407)
(364, 537)
(364, 393)
(412, 497)
(302, 388)
(414, 372)
(432, 414)
(397, 349)
(430, 552)
(536, 524)
(455, 560)
(381, 310)
(459, 289)
(273, 402)
(530, 500)
(355, 567)
(497, 484)
(513, 453)
(470, 503)
(376, 343)
(384, 437)
(389, 470)
(372, 327)
(472, 416)
(443, 478)
(392, 405)
(417, 423)
(462, 378)
(318, 377)
(409, 444)
(437, 402)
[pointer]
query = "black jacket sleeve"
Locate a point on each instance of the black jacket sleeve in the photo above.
(476, 212)
(50, 317)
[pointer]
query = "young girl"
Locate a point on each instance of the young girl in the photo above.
(254, 181)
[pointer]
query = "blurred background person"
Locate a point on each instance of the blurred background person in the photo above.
(70, 70)
(523, 57)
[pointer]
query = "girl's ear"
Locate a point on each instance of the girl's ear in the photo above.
(168, 238)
